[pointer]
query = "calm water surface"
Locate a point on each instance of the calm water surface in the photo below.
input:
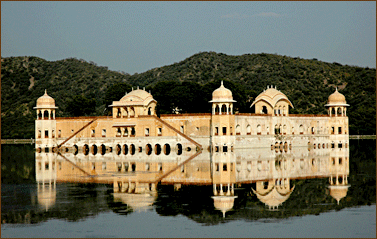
(76, 208)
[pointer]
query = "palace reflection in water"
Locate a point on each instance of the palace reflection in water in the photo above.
(270, 173)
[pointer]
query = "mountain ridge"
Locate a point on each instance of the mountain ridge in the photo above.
(307, 83)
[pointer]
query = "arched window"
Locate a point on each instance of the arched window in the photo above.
(150, 111)
(259, 129)
(264, 110)
(223, 109)
(118, 113)
(132, 149)
(148, 149)
(103, 149)
(301, 129)
(45, 114)
(166, 149)
(118, 149)
(125, 149)
(277, 129)
(132, 112)
(238, 129)
(86, 149)
(40, 115)
(119, 133)
(284, 129)
(217, 109)
(94, 149)
(157, 149)
(133, 132)
(179, 149)
(248, 129)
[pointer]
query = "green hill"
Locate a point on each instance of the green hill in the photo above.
(307, 83)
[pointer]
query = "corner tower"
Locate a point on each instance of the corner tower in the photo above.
(45, 124)
(222, 119)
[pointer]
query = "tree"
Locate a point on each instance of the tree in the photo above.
(115, 93)
(79, 105)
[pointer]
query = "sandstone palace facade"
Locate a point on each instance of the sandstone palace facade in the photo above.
(134, 129)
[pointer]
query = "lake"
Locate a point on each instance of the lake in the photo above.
(298, 192)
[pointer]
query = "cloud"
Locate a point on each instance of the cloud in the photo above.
(243, 16)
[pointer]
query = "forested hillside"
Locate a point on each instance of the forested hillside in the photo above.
(79, 86)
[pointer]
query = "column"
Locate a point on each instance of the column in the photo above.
(214, 190)
(228, 191)
(221, 190)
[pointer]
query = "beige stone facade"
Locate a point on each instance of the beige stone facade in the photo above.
(134, 122)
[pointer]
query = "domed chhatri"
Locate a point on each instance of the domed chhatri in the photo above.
(137, 97)
(46, 102)
(272, 101)
(222, 101)
(45, 107)
(337, 98)
(137, 102)
(337, 104)
(222, 95)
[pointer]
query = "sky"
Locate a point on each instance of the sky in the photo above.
(138, 36)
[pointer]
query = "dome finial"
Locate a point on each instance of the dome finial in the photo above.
(336, 88)
(222, 83)
(45, 91)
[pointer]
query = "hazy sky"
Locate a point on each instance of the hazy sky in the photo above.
(138, 36)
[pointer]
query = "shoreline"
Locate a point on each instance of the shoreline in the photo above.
(32, 141)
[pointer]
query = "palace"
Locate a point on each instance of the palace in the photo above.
(134, 150)
(135, 129)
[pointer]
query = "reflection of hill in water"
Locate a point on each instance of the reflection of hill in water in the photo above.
(73, 202)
